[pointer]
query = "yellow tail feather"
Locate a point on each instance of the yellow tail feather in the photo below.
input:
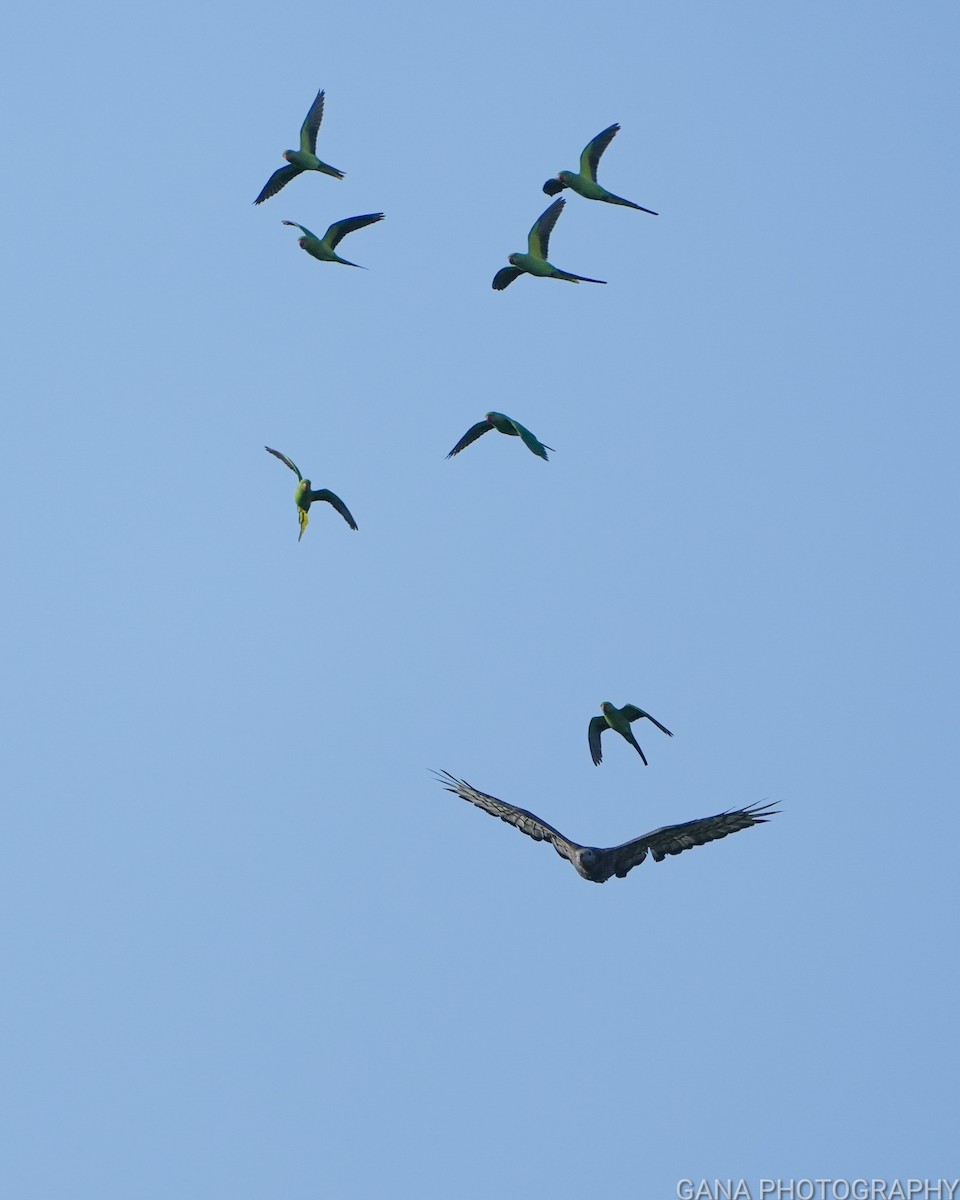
(303, 521)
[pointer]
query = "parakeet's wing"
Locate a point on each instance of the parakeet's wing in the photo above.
(674, 839)
(283, 458)
(538, 239)
(592, 151)
(280, 178)
(525, 821)
(338, 504)
(596, 727)
(339, 229)
(308, 131)
(302, 228)
(504, 277)
(470, 436)
(632, 713)
(553, 186)
(531, 442)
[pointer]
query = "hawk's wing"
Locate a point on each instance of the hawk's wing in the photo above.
(308, 131)
(592, 151)
(674, 839)
(538, 239)
(525, 821)
(276, 453)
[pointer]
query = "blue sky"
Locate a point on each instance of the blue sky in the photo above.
(251, 947)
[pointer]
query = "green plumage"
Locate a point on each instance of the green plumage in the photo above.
(304, 495)
(304, 159)
(503, 424)
(584, 181)
(534, 262)
(325, 248)
(619, 720)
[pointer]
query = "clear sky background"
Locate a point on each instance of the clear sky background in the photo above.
(250, 947)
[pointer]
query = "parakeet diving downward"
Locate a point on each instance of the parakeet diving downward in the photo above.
(585, 182)
(535, 261)
(304, 496)
(325, 248)
(304, 159)
(503, 424)
(618, 719)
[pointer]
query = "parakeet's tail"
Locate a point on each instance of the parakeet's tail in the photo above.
(636, 745)
(328, 170)
(612, 199)
(576, 278)
(303, 522)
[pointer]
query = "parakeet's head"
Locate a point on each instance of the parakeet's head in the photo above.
(288, 155)
(564, 177)
(606, 707)
(512, 260)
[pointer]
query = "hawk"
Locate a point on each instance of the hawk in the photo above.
(598, 864)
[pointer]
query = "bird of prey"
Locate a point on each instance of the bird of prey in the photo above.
(598, 864)
(325, 248)
(304, 159)
(534, 262)
(305, 496)
(618, 719)
(503, 424)
(585, 181)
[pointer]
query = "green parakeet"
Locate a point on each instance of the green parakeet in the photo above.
(325, 248)
(584, 182)
(304, 159)
(503, 424)
(534, 262)
(618, 719)
(305, 496)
